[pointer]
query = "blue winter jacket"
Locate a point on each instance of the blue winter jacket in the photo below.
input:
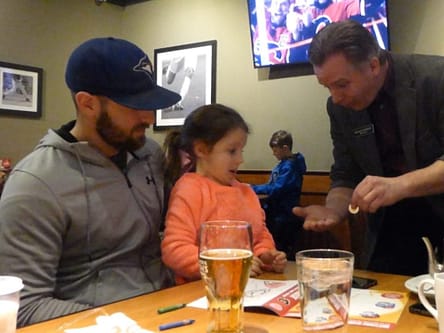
(283, 188)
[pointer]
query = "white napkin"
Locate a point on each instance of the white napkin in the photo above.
(116, 323)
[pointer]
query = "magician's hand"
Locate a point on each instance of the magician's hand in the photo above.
(375, 192)
(317, 217)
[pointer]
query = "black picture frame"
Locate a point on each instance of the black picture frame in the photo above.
(21, 88)
(189, 70)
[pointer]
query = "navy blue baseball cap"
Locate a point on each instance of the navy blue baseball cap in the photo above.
(119, 70)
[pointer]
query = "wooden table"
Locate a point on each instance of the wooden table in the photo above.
(143, 309)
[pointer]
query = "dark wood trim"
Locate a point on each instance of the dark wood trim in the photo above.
(316, 183)
(262, 171)
(321, 194)
(124, 3)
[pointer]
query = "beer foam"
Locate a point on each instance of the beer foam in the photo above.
(224, 254)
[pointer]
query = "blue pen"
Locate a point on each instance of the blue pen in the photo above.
(176, 324)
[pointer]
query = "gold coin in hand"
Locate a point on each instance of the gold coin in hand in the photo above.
(353, 210)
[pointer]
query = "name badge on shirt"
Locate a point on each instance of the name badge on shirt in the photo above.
(364, 130)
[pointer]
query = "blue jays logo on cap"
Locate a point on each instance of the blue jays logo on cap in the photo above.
(145, 66)
(119, 70)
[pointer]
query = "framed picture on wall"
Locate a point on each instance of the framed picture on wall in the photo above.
(189, 70)
(21, 88)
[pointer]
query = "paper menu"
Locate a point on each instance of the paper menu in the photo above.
(375, 308)
(279, 296)
(372, 308)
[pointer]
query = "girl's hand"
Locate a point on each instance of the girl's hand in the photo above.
(256, 267)
(279, 262)
(274, 260)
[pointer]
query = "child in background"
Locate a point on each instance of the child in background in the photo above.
(214, 136)
(283, 193)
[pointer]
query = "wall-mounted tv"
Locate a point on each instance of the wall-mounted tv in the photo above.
(281, 30)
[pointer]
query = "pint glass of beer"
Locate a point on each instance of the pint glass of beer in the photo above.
(225, 255)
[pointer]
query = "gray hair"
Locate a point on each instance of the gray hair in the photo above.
(348, 37)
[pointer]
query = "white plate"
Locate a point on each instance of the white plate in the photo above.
(412, 284)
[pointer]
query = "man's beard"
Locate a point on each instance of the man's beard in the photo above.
(115, 137)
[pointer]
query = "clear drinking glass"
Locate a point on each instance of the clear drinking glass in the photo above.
(225, 255)
(325, 279)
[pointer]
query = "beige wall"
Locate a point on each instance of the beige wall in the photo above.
(42, 33)
(295, 104)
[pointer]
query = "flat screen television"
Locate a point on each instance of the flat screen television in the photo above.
(281, 30)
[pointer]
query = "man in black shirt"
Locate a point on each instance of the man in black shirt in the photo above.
(386, 116)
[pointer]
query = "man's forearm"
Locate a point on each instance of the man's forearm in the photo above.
(426, 181)
(47, 308)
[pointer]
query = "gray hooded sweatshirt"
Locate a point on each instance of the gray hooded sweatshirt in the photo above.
(78, 230)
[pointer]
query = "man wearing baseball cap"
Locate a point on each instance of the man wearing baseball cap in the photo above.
(80, 215)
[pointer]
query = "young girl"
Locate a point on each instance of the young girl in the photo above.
(214, 136)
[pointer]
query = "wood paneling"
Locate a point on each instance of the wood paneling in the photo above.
(315, 185)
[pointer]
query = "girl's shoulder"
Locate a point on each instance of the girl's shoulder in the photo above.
(188, 186)
(189, 178)
(192, 179)
(245, 188)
